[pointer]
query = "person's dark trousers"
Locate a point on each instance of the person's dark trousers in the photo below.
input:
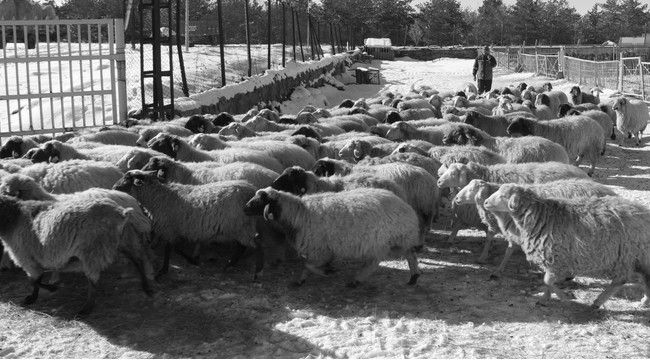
(484, 85)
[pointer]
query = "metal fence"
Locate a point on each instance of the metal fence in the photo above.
(57, 75)
(627, 74)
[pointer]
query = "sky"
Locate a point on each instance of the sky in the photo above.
(582, 6)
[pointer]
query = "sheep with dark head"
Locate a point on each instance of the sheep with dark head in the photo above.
(631, 118)
(363, 224)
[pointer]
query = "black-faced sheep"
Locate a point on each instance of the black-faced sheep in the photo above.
(363, 224)
(210, 212)
(401, 131)
(514, 150)
(631, 118)
(15, 147)
(581, 136)
(169, 170)
(73, 235)
(179, 149)
(583, 236)
(578, 97)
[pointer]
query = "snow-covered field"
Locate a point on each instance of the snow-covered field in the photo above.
(454, 311)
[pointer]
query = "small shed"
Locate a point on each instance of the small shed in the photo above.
(381, 49)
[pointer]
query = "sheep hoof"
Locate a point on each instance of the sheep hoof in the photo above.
(414, 279)
(353, 284)
(29, 300)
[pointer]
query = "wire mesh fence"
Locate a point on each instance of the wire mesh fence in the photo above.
(628, 75)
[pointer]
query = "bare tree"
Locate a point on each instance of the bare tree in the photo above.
(415, 32)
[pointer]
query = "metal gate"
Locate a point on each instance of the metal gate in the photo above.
(59, 75)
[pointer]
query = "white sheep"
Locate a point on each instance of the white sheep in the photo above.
(73, 235)
(581, 136)
(458, 175)
(363, 224)
(477, 191)
(73, 176)
(583, 236)
(149, 132)
(433, 134)
(553, 99)
(109, 137)
(631, 118)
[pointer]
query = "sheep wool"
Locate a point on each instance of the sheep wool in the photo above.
(585, 236)
(631, 118)
(364, 224)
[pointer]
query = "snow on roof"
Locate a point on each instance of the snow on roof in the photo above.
(377, 42)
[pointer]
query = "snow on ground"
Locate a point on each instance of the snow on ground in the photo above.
(454, 311)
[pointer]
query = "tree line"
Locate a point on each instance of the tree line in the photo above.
(432, 22)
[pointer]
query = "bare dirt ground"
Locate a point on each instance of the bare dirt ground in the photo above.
(454, 311)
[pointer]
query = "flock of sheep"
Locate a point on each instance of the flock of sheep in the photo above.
(363, 181)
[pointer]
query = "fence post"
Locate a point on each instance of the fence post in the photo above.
(580, 73)
(642, 79)
(621, 71)
(536, 62)
(560, 63)
(121, 70)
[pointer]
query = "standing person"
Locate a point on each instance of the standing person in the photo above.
(483, 70)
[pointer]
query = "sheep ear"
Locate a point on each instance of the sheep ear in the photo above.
(268, 213)
(357, 153)
(514, 202)
(15, 154)
(176, 145)
(138, 182)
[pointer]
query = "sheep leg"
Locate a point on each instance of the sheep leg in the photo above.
(638, 138)
(192, 259)
(550, 279)
(36, 287)
(234, 258)
(489, 239)
(309, 268)
(645, 301)
(412, 260)
(259, 257)
(506, 257)
(610, 290)
(165, 266)
(454, 231)
(141, 267)
(90, 300)
(367, 270)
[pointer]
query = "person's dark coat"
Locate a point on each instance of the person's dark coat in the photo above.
(483, 66)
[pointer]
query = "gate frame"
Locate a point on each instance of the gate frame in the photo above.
(116, 88)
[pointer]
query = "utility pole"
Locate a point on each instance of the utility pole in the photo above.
(311, 55)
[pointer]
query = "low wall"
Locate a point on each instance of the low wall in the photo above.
(273, 85)
(428, 53)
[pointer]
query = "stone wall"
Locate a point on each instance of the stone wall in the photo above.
(274, 85)
(430, 53)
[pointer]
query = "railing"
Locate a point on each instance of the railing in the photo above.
(57, 75)
(627, 75)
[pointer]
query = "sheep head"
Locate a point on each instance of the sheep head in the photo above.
(361, 103)
(620, 105)
(564, 109)
(9, 213)
(455, 176)
(306, 118)
(321, 113)
(269, 115)
(547, 86)
(436, 101)
(522, 86)
(347, 103)
(400, 131)
(22, 187)
(257, 123)
(380, 130)
(473, 118)
(238, 130)
(265, 202)
(463, 136)
(358, 110)
(198, 124)
(460, 101)
(395, 103)
(467, 194)
(392, 117)
(51, 152)
(294, 180)
(134, 179)
(355, 150)
(521, 127)
(509, 198)
(166, 144)
(325, 167)
(160, 165)
(307, 131)
(223, 119)
(13, 148)
(542, 99)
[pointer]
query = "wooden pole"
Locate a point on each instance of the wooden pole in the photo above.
(248, 39)
(333, 49)
(268, 39)
(187, 25)
(284, 37)
(293, 31)
(302, 53)
(221, 40)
